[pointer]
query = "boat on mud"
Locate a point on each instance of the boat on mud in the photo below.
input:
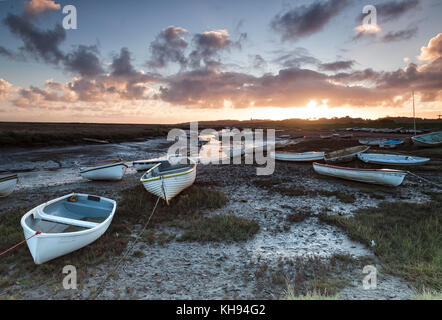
(344, 155)
(387, 177)
(111, 170)
(8, 181)
(297, 156)
(66, 224)
(372, 141)
(166, 180)
(326, 136)
(390, 144)
(433, 139)
(391, 159)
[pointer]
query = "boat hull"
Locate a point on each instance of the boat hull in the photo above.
(47, 246)
(297, 157)
(109, 172)
(168, 185)
(7, 185)
(374, 176)
(428, 140)
(391, 159)
(344, 155)
(172, 186)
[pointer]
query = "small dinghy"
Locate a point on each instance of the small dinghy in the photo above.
(387, 177)
(390, 144)
(347, 154)
(371, 142)
(326, 136)
(433, 139)
(391, 159)
(111, 170)
(297, 157)
(66, 224)
(166, 180)
(8, 182)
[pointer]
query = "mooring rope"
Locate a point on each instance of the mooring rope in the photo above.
(101, 286)
(430, 182)
(20, 243)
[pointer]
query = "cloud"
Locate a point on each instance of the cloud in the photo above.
(36, 7)
(167, 47)
(207, 46)
(6, 89)
(41, 44)
(306, 20)
(433, 50)
(337, 65)
(84, 60)
(400, 35)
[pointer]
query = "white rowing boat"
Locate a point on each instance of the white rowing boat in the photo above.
(388, 177)
(111, 170)
(297, 157)
(347, 154)
(7, 184)
(66, 224)
(433, 139)
(372, 142)
(167, 180)
(391, 159)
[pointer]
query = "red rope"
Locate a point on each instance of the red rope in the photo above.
(20, 243)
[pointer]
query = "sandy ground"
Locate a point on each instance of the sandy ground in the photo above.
(182, 270)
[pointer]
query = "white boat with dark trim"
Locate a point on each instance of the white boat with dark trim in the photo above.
(433, 139)
(297, 156)
(166, 180)
(347, 154)
(66, 224)
(387, 177)
(111, 170)
(8, 181)
(391, 159)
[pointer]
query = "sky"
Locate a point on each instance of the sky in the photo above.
(177, 61)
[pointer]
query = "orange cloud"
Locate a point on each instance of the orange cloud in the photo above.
(35, 7)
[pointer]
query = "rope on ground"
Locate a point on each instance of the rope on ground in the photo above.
(117, 266)
(430, 182)
(20, 243)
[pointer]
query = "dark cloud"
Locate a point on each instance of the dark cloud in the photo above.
(259, 62)
(41, 44)
(84, 60)
(307, 19)
(295, 58)
(207, 46)
(406, 34)
(121, 65)
(168, 46)
(355, 76)
(337, 65)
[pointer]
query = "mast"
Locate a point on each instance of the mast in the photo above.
(414, 115)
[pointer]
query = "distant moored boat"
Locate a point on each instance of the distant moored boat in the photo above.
(111, 170)
(387, 177)
(8, 182)
(433, 139)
